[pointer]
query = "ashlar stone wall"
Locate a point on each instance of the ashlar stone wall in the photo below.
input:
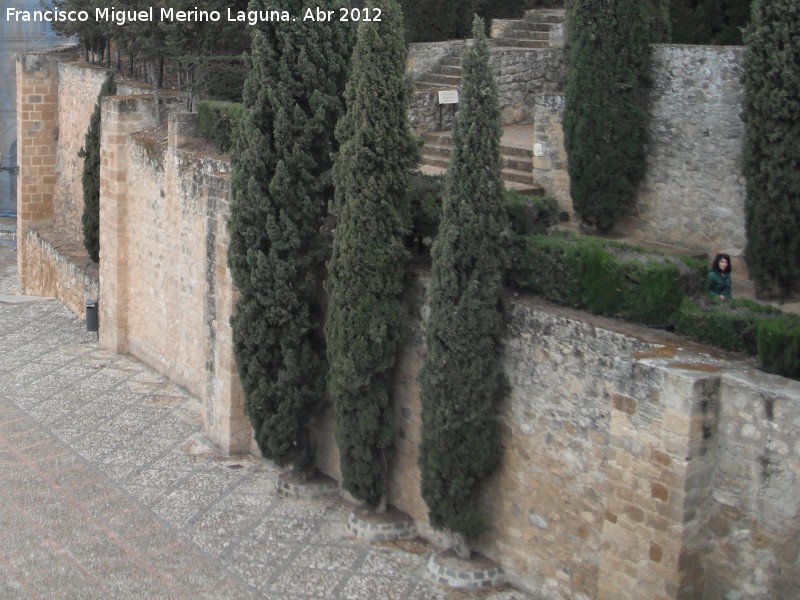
(166, 292)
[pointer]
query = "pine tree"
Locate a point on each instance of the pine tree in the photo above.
(366, 269)
(605, 118)
(90, 178)
(461, 376)
(281, 185)
(772, 146)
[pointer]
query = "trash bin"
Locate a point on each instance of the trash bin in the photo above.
(91, 315)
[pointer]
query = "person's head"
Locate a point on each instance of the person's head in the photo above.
(722, 263)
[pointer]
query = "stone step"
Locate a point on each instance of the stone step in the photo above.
(533, 189)
(526, 153)
(518, 163)
(510, 42)
(451, 61)
(452, 70)
(424, 86)
(435, 161)
(514, 164)
(522, 25)
(437, 150)
(518, 176)
(448, 80)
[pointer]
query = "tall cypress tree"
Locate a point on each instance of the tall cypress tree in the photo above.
(281, 184)
(605, 118)
(366, 269)
(772, 146)
(90, 178)
(461, 377)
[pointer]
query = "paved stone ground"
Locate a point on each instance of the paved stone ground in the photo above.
(109, 489)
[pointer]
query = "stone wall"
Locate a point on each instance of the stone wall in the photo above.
(521, 75)
(549, 154)
(166, 291)
(78, 87)
(59, 267)
(693, 192)
(629, 469)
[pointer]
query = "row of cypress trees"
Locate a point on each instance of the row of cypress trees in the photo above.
(292, 165)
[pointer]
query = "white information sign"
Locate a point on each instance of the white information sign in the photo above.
(448, 96)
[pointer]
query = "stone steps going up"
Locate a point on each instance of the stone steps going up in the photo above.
(517, 163)
(532, 31)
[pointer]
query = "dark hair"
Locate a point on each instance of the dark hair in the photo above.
(715, 264)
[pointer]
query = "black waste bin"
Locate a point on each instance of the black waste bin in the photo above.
(92, 323)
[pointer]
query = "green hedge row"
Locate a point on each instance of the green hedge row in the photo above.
(624, 282)
(217, 122)
(604, 278)
(744, 326)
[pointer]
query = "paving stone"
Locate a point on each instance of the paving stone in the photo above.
(110, 489)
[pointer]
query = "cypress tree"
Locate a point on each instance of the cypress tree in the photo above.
(772, 146)
(605, 118)
(281, 187)
(366, 269)
(90, 178)
(461, 377)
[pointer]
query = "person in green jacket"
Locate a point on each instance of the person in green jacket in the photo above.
(719, 277)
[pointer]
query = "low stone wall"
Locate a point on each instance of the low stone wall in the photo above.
(60, 268)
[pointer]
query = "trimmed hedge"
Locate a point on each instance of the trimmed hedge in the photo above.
(603, 278)
(615, 280)
(745, 326)
(779, 346)
(217, 122)
(730, 325)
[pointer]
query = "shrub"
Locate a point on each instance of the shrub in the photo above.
(461, 381)
(217, 122)
(280, 189)
(730, 325)
(530, 214)
(606, 279)
(425, 202)
(779, 346)
(220, 77)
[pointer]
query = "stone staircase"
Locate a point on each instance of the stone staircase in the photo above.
(516, 161)
(538, 29)
(444, 76)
